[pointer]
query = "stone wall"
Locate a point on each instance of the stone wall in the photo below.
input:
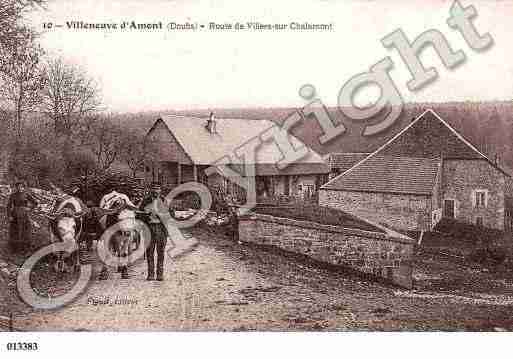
(385, 254)
(461, 178)
(402, 212)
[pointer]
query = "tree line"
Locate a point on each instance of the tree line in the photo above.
(55, 127)
(52, 120)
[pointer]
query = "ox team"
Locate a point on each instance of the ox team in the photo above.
(114, 207)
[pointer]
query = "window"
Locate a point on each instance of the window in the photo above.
(309, 190)
(417, 205)
(306, 190)
(480, 199)
(479, 221)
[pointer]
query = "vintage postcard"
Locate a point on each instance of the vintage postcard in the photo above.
(271, 166)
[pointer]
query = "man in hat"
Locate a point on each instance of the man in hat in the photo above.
(18, 206)
(151, 205)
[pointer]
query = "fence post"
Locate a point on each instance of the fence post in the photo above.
(11, 322)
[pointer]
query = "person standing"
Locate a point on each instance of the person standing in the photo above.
(234, 223)
(151, 205)
(92, 226)
(18, 207)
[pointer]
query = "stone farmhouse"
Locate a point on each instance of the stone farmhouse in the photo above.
(186, 146)
(425, 172)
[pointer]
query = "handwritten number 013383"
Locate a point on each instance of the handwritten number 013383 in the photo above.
(21, 346)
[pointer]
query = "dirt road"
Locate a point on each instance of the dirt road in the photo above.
(225, 286)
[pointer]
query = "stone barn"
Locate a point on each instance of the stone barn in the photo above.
(186, 146)
(426, 172)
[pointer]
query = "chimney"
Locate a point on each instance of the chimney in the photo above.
(211, 123)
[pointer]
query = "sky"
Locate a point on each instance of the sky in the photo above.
(163, 70)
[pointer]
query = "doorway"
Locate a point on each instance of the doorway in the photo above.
(449, 208)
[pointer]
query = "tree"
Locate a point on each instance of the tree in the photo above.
(11, 19)
(13, 49)
(21, 77)
(69, 96)
(135, 150)
(34, 163)
(103, 137)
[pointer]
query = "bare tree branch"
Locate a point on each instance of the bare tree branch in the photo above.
(12, 13)
(103, 137)
(69, 96)
(135, 150)
(21, 77)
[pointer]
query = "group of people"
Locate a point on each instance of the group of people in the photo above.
(21, 202)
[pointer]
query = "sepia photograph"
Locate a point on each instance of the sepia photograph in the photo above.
(272, 167)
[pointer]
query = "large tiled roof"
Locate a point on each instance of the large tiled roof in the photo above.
(344, 161)
(389, 174)
(205, 148)
(405, 163)
(431, 136)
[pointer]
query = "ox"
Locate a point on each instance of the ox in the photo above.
(66, 225)
(125, 240)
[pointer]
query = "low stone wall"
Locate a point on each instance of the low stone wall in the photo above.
(387, 254)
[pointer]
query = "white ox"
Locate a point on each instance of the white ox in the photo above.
(114, 200)
(66, 225)
(126, 239)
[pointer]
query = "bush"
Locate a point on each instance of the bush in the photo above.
(33, 164)
(488, 255)
(468, 233)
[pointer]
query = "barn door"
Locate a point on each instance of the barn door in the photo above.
(449, 208)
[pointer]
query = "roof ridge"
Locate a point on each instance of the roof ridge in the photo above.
(376, 151)
(459, 135)
(181, 116)
(171, 122)
(467, 142)
(217, 118)
(348, 153)
(433, 112)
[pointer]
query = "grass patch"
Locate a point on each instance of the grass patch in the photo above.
(315, 213)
